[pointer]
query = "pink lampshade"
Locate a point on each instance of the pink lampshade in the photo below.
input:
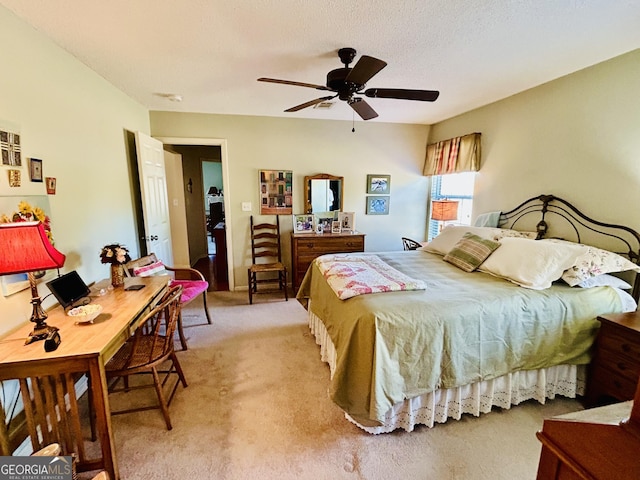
(25, 247)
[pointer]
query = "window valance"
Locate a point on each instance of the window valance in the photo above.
(459, 154)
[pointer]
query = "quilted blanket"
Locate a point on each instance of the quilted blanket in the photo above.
(351, 275)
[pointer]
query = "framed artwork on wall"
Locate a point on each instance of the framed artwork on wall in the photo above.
(51, 185)
(14, 178)
(379, 184)
(276, 192)
(10, 149)
(35, 170)
(377, 205)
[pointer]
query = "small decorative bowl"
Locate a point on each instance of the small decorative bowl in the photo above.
(85, 313)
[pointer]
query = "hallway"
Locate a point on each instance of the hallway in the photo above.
(207, 266)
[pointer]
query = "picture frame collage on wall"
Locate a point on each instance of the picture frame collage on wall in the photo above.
(378, 194)
(11, 157)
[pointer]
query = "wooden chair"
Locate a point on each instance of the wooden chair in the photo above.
(192, 281)
(266, 257)
(54, 449)
(147, 350)
(409, 244)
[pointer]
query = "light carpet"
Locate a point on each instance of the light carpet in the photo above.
(257, 408)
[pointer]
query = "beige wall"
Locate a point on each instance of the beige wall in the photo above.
(577, 137)
(74, 121)
(308, 147)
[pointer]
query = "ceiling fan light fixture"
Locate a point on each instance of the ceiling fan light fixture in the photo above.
(324, 105)
(174, 97)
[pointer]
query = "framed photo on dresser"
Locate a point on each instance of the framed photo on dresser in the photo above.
(347, 221)
(303, 223)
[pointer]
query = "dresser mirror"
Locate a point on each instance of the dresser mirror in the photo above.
(323, 193)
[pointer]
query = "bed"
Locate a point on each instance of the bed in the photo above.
(449, 341)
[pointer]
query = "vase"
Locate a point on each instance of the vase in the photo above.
(117, 275)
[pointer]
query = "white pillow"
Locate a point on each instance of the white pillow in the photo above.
(452, 234)
(604, 280)
(531, 263)
(593, 263)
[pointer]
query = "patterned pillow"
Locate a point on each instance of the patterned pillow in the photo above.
(156, 268)
(470, 252)
(595, 262)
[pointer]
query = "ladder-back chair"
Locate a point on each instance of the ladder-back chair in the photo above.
(266, 257)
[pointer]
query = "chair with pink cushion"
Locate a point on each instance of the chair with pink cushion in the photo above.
(192, 281)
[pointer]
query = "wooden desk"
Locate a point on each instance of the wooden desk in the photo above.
(52, 408)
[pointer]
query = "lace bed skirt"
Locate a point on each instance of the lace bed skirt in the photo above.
(476, 398)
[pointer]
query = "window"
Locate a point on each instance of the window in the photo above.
(456, 186)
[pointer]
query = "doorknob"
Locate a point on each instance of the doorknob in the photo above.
(154, 237)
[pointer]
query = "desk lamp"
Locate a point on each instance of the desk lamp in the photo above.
(27, 249)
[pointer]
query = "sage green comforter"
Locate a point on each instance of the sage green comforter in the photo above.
(464, 328)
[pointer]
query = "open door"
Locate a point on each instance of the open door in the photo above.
(155, 202)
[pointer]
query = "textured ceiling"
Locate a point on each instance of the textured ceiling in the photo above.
(211, 52)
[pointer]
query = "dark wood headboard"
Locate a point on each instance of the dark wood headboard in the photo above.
(571, 224)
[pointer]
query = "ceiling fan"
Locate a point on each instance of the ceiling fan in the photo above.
(347, 83)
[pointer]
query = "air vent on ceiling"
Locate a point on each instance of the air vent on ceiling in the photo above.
(324, 105)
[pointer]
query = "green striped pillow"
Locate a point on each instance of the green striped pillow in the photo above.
(469, 253)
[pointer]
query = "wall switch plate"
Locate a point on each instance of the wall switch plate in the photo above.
(246, 206)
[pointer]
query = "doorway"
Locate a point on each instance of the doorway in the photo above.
(210, 260)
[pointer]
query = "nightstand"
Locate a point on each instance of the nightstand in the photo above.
(615, 367)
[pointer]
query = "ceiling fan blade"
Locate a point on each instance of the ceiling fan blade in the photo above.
(364, 69)
(362, 108)
(309, 104)
(289, 82)
(402, 94)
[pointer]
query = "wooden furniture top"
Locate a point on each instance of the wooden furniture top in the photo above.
(120, 310)
(327, 235)
(599, 443)
(629, 320)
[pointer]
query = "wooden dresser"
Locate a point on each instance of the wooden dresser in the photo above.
(305, 247)
(615, 368)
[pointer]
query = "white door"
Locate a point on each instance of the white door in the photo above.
(155, 202)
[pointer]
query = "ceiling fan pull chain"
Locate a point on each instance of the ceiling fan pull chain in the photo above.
(353, 121)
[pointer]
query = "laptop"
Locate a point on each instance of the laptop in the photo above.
(69, 289)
